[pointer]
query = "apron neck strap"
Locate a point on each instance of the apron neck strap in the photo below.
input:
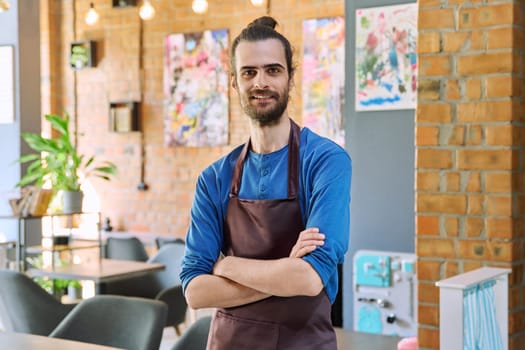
(293, 163)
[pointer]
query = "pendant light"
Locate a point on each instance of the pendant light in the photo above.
(146, 11)
(4, 5)
(91, 15)
(199, 6)
(257, 2)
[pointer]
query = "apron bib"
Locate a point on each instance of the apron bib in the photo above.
(268, 229)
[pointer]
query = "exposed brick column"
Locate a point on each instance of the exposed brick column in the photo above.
(469, 151)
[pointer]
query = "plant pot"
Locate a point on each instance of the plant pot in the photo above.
(72, 201)
(74, 293)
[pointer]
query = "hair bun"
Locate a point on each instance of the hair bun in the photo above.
(266, 21)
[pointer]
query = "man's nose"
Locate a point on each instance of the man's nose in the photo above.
(261, 81)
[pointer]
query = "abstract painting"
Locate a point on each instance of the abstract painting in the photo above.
(196, 89)
(386, 58)
(323, 80)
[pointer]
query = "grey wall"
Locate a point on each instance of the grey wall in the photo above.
(24, 36)
(381, 145)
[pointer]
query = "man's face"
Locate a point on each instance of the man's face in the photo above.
(262, 80)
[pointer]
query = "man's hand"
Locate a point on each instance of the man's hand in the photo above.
(308, 240)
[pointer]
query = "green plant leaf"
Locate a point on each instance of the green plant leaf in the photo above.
(59, 161)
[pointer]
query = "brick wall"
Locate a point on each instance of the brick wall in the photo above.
(469, 151)
(170, 173)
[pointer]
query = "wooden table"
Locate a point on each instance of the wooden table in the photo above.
(21, 341)
(99, 271)
(348, 339)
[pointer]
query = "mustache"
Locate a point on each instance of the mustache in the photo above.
(263, 92)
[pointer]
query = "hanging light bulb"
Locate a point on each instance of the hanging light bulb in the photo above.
(257, 2)
(91, 15)
(4, 5)
(199, 6)
(146, 11)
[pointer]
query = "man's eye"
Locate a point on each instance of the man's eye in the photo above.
(274, 70)
(248, 73)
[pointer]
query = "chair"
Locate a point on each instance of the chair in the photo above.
(27, 308)
(162, 285)
(125, 248)
(169, 283)
(160, 241)
(110, 320)
(195, 337)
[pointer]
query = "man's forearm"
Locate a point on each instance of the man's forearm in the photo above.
(280, 277)
(214, 291)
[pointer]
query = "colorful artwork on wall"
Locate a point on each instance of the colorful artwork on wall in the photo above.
(323, 79)
(386, 58)
(196, 89)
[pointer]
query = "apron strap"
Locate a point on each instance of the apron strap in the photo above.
(293, 163)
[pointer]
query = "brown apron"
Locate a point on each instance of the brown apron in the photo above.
(268, 229)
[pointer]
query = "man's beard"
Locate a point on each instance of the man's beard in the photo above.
(266, 117)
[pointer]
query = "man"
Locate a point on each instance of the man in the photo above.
(278, 209)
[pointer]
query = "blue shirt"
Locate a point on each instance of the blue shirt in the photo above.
(325, 173)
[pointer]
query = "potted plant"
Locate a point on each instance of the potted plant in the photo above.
(59, 163)
(74, 290)
(57, 286)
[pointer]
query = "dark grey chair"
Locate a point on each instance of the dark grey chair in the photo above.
(169, 283)
(111, 320)
(125, 248)
(162, 285)
(27, 308)
(195, 337)
(160, 241)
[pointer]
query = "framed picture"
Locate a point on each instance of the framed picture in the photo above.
(7, 85)
(82, 54)
(196, 85)
(386, 58)
(323, 81)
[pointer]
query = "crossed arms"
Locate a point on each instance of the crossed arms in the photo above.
(237, 281)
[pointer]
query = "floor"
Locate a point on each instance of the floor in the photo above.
(169, 337)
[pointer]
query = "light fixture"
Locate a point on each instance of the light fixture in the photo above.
(146, 11)
(91, 15)
(257, 2)
(4, 5)
(199, 6)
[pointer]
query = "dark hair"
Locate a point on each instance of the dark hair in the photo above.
(263, 28)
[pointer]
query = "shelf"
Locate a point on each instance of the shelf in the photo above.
(82, 54)
(124, 3)
(75, 245)
(123, 116)
(5, 217)
(83, 230)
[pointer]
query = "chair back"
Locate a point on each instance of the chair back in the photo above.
(171, 256)
(170, 284)
(27, 308)
(160, 241)
(195, 337)
(126, 248)
(110, 320)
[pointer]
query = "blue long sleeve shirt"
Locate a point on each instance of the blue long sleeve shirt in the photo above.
(325, 173)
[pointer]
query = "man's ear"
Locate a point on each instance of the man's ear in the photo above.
(291, 82)
(233, 81)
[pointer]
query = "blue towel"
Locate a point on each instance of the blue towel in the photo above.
(480, 327)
